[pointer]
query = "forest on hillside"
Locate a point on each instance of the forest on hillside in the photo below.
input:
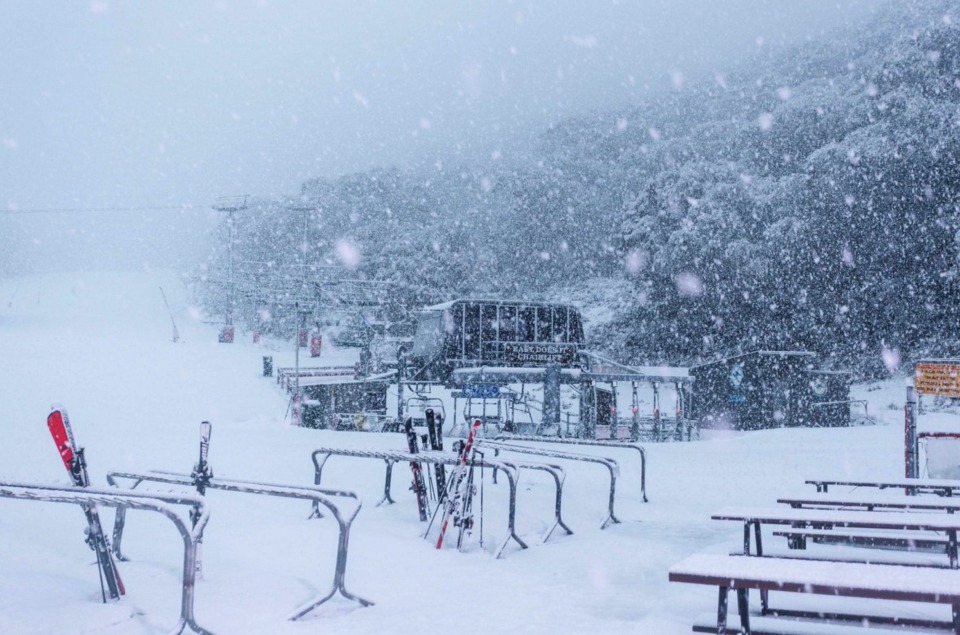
(806, 199)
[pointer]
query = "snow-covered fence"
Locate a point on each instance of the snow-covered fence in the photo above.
(608, 463)
(592, 442)
(317, 495)
(148, 501)
(510, 468)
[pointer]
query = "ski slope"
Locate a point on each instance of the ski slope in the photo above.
(100, 343)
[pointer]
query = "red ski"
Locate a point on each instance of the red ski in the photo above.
(458, 492)
(73, 460)
(419, 487)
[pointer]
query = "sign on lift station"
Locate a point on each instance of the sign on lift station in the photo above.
(481, 391)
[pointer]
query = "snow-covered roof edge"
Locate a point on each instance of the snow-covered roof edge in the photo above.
(767, 353)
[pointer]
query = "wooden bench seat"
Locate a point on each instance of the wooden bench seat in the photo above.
(876, 540)
(940, 487)
(707, 623)
(862, 556)
(896, 521)
(859, 501)
(872, 581)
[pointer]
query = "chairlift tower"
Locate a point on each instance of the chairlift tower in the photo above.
(231, 205)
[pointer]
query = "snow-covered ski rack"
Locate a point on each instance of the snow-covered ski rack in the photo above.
(591, 442)
(148, 501)
(608, 463)
(317, 495)
(510, 468)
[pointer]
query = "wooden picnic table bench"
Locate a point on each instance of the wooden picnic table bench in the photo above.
(874, 539)
(873, 502)
(754, 517)
(797, 540)
(832, 518)
(871, 581)
(940, 487)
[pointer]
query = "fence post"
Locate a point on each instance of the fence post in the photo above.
(911, 453)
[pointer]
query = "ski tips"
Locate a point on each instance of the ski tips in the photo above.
(56, 410)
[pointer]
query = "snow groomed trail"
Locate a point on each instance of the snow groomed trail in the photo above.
(100, 343)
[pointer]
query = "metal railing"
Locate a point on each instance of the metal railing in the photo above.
(610, 464)
(147, 501)
(315, 494)
(590, 442)
(361, 421)
(508, 467)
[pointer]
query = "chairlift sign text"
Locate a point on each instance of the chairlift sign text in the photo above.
(562, 354)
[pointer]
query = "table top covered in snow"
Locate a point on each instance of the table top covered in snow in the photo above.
(841, 518)
(881, 581)
(928, 503)
(893, 483)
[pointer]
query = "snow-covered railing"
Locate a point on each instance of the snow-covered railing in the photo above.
(286, 375)
(148, 501)
(849, 402)
(321, 455)
(592, 442)
(319, 496)
(608, 463)
(361, 421)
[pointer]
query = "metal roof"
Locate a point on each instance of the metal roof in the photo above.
(758, 353)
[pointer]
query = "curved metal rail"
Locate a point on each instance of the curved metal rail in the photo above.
(315, 494)
(610, 464)
(592, 442)
(148, 501)
(559, 477)
(390, 458)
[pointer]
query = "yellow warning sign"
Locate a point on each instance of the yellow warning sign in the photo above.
(938, 378)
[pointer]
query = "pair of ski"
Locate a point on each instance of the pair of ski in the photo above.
(455, 496)
(75, 461)
(458, 502)
(435, 435)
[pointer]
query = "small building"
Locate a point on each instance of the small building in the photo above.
(338, 402)
(497, 333)
(769, 389)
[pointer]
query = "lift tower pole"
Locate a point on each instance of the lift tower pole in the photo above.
(230, 205)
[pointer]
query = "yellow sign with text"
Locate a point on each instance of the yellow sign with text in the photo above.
(938, 378)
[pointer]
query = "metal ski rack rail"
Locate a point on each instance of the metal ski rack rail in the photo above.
(148, 501)
(608, 463)
(509, 468)
(315, 494)
(594, 442)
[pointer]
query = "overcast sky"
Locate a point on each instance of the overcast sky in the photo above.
(118, 103)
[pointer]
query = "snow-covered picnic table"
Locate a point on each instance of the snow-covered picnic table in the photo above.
(852, 519)
(872, 581)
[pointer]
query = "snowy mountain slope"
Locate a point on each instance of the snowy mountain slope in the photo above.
(101, 344)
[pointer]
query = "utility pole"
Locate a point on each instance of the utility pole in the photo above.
(230, 205)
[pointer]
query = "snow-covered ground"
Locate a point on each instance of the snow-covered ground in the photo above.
(100, 343)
